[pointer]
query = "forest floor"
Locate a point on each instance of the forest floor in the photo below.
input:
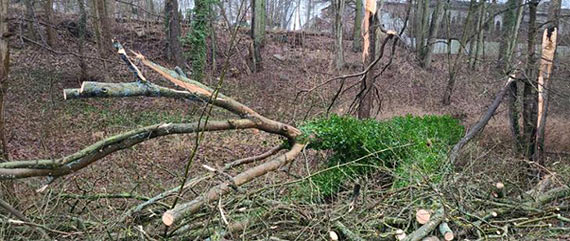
(41, 124)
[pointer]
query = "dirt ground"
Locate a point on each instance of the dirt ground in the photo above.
(41, 124)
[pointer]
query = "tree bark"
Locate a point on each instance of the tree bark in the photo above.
(338, 7)
(369, 55)
(478, 127)
(433, 30)
(29, 15)
(258, 31)
(48, 8)
(546, 66)
(6, 187)
(478, 42)
(357, 39)
(308, 24)
(467, 30)
(511, 23)
(103, 27)
(80, 44)
(174, 50)
(4, 69)
(529, 94)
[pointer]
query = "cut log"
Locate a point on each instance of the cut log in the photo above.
(174, 215)
(422, 216)
(500, 189)
(431, 238)
(333, 236)
(400, 235)
(446, 232)
(347, 232)
(427, 228)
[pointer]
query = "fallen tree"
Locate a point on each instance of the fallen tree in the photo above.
(194, 91)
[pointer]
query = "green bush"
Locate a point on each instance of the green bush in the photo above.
(410, 148)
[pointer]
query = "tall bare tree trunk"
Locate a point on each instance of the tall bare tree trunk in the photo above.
(545, 72)
(433, 31)
(478, 42)
(6, 187)
(81, 42)
(310, 14)
(505, 65)
(48, 8)
(467, 30)
(258, 31)
(31, 19)
(4, 69)
(529, 92)
(357, 39)
(511, 23)
(102, 27)
(422, 26)
(338, 7)
(368, 54)
(174, 50)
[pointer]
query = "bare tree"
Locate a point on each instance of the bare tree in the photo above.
(544, 74)
(4, 69)
(338, 10)
(174, 50)
(511, 23)
(102, 25)
(529, 98)
(5, 187)
(365, 98)
(48, 8)
(82, 28)
(258, 31)
(436, 18)
(357, 31)
(456, 63)
(309, 14)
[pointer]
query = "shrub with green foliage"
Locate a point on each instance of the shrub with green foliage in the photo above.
(411, 148)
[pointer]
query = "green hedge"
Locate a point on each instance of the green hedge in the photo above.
(410, 148)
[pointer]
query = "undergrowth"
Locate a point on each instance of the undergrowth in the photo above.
(410, 148)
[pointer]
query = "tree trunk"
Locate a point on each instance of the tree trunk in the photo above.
(529, 93)
(174, 50)
(369, 54)
(467, 30)
(509, 34)
(338, 7)
(480, 33)
(6, 187)
(513, 115)
(545, 72)
(48, 8)
(102, 27)
(357, 40)
(4, 69)
(31, 20)
(258, 31)
(421, 26)
(80, 44)
(433, 30)
(309, 14)
(197, 38)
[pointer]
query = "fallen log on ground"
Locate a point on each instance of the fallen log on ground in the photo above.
(194, 91)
